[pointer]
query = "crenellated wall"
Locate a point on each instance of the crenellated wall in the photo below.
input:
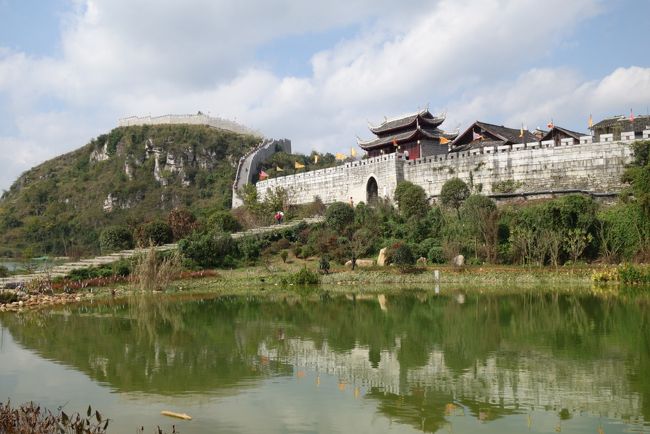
(532, 167)
(197, 119)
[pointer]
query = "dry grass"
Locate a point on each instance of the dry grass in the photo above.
(151, 273)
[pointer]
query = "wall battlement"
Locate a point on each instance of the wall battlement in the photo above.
(197, 119)
(533, 167)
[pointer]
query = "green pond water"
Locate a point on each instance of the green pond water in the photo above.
(454, 362)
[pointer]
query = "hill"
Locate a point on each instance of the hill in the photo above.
(128, 176)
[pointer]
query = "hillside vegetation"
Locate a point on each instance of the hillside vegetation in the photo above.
(126, 177)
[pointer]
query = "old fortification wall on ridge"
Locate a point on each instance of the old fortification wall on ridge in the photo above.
(533, 167)
(197, 119)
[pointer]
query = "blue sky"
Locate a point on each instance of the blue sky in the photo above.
(311, 72)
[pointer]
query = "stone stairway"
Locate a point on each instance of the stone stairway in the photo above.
(64, 269)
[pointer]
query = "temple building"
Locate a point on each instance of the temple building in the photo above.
(618, 124)
(557, 134)
(415, 135)
(481, 135)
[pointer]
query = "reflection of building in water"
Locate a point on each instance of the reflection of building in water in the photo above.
(534, 380)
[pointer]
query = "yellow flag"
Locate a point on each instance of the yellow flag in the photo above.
(279, 169)
(315, 159)
(444, 140)
(353, 152)
(521, 132)
(340, 156)
(299, 166)
(591, 121)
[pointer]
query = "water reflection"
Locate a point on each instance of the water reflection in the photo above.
(421, 359)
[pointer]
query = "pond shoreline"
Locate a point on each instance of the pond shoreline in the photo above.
(274, 279)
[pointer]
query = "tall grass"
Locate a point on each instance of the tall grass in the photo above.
(154, 272)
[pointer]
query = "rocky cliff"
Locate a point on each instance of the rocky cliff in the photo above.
(129, 175)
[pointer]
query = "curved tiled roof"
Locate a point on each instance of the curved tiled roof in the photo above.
(409, 135)
(423, 117)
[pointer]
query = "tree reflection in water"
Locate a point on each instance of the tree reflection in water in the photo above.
(413, 353)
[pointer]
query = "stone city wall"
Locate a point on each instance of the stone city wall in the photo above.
(249, 164)
(533, 167)
(593, 167)
(198, 119)
(339, 183)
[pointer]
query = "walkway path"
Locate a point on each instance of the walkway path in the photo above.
(64, 269)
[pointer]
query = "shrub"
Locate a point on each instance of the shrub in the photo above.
(631, 274)
(182, 222)
(223, 221)
(32, 418)
(154, 233)
(249, 248)
(208, 249)
(115, 238)
(436, 255)
(324, 264)
(401, 254)
(339, 216)
(284, 255)
(4, 271)
(8, 297)
(305, 277)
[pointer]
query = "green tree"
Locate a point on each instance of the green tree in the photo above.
(115, 238)
(339, 216)
(482, 218)
(223, 221)
(411, 200)
(155, 232)
(453, 193)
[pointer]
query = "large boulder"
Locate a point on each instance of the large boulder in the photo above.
(381, 259)
(458, 261)
(361, 263)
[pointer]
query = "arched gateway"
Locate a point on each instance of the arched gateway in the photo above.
(372, 191)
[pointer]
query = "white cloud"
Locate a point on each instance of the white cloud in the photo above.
(476, 58)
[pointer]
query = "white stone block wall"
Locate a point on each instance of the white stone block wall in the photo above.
(595, 167)
(198, 119)
(339, 183)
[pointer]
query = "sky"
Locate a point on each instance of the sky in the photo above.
(313, 72)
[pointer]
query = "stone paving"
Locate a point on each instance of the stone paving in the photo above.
(64, 269)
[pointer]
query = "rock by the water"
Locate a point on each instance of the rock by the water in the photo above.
(381, 259)
(458, 261)
(422, 260)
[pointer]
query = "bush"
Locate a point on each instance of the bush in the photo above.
(8, 297)
(154, 233)
(436, 255)
(4, 271)
(632, 275)
(401, 255)
(339, 216)
(32, 418)
(284, 255)
(208, 249)
(324, 265)
(182, 222)
(305, 277)
(115, 238)
(249, 248)
(223, 221)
